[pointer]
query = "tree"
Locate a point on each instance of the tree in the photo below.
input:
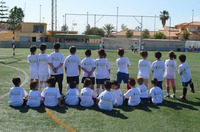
(108, 28)
(15, 17)
(159, 35)
(124, 27)
(164, 16)
(185, 34)
(129, 34)
(94, 31)
(138, 28)
(145, 33)
(64, 28)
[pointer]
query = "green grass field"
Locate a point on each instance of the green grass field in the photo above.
(173, 115)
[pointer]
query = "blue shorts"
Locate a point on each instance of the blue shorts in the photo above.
(91, 78)
(122, 77)
(160, 84)
(185, 84)
(101, 81)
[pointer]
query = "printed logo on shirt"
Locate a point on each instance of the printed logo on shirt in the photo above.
(15, 93)
(55, 58)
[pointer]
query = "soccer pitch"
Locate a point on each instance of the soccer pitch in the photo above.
(173, 115)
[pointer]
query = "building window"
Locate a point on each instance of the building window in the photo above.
(38, 29)
(192, 29)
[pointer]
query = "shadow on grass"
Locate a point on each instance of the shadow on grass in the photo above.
(22, 109)
(40, 109)
(190, 102)
(9, 61)
(58, 109)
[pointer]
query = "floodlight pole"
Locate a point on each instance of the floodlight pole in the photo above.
(87, 18)
(169, 32)
(192, 16)
(117, 21)
(40, 13)
(94, 20)
(141, 35)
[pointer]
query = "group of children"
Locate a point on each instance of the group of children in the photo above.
(46, 70)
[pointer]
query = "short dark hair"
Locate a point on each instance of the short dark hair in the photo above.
(33, 48)
(182, 58)
(101, 52)
(172, 55)
(154, 81)
(131, 82)
(56, 45)
(33, 84)
(107, 84)
(144, 53)
(88, 52)
(16, 81)
(120, 52)
(43, 47)
(51, 81)
(72, 49)
(87, 82)
(72, 84)
(140, 80)
(158, 54)
(114, 82)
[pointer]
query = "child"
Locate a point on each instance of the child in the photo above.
(17, 94)
(72, 66)
(185, 76)
(87, 94)
(132, 94)
(43, 66)
(144, 67)
(158, 68)
(72, 96)
(51, 94)
(88, 67)
(32, 59)
(122, 63)
(56, 60)
(109, 67)
(106, 98)
(34, 99)
(102, 68)
(143, 90)
(156, 94)
(169, 74)
(118, 93)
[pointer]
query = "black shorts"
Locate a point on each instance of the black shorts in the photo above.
(91, 78)
(185, 84)
(101, 81)
(75, 78)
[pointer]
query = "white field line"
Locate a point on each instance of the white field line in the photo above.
(23, 83)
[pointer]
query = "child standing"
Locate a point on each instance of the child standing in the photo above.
(185, 76)
(87, 95)
(144, 67)
(32, 59)
(17, 95)
(102, 68)
(43, 66)
(118, 93)
(56, 60)
(122, 63)
(169, 74)
(143, 90)
(88, 67)
(34, 99)
(156, 94)
(72, 96)
(106, 98)
(109, 67)
(158, 68)
(72, 66)
(132, 94)
(51, 94)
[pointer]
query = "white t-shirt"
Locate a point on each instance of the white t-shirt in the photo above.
(51, 96)
(86, 96)
(156, 94)
(123, 63)
(144, 67)
(135, 46)
(158, 68)
(72, 62)
(34, 99)
(56, 58)
(106, 100)
(118, 97)
(170, 67)
(16, 96)
(87, 63)
(143, 90)
(134, 96)
(102, 66)
(184, 71)
(33, 61)
(43, 64)
(72, 97)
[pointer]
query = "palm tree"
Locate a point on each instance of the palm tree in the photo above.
(108, 28)
(164, 16)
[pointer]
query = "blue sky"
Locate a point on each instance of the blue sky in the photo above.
(180, 11)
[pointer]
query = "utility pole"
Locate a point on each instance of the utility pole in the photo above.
(40, 14)
(117, 20)
(87, 19)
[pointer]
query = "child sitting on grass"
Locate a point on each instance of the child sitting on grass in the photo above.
(34, 99)
(132, 94)
(87, 95)
(118, 93)
(143, 90)
(51, 94)
(106, 98)
(17, 95)
(72, 96)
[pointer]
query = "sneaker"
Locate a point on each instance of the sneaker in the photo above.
(192, 90)
(167, 96)
(173, 96)
(183, 97)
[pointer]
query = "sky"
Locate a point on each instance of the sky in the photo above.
(180, 11)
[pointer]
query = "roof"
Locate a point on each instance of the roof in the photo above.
(77, 36)
(188, 24)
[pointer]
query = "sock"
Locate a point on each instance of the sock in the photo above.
(40, 86)
(128, 87)
(184, 91)
(167, 93)
(77, 86)
(45, 85)
(68, 87)
(192, 86)
(98, 91)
